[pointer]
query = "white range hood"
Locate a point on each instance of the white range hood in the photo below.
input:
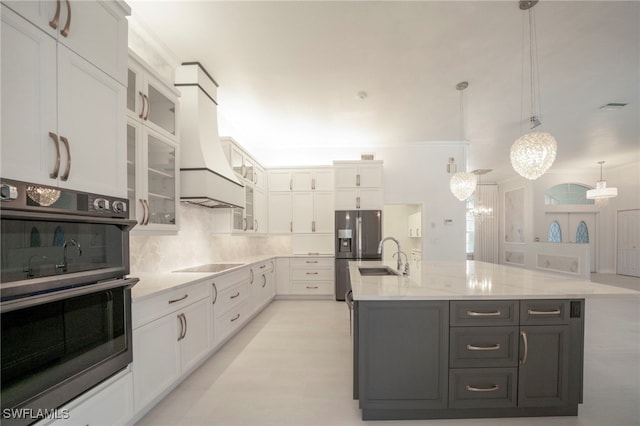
(206, 178)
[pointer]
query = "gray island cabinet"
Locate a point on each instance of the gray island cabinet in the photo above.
(471, 340)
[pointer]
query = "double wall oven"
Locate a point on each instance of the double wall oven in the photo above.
(65, 296)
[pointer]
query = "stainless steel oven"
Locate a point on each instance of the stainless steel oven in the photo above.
(65, 298)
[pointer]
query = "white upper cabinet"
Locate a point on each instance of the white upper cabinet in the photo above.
(280, 180)
(96, 31)
(63, 118)
(358, 174)
(317, 179)
(150, 100)
(358, 185)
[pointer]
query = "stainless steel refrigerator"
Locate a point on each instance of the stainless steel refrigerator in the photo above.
(358, 233)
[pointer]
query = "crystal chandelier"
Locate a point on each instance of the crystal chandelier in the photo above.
(480, 211)
(462, 184)
(533, 153)
(601, 192)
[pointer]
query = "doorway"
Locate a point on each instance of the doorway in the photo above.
(579, 228)
(628, 243)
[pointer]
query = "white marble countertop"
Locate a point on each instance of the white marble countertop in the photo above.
(459, 280)
(151, 283)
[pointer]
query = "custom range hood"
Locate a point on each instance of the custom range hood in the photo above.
(206, 177)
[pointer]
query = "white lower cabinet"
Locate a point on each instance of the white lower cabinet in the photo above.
(307, 276)
(262, 284)
(230, 298)
(171, 335)
(109, 403)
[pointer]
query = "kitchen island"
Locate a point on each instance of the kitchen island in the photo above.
(469, 340)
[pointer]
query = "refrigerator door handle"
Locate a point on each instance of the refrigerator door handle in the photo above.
(359, 236)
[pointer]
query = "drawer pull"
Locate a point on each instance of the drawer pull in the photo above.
(495, 347)
(177, 300)
(235, 318)
(484, 314)
(312, 273)
(551, 312)
(235, 295)
(312, 286)
(311, 261)
(474, 389)
(263, 266)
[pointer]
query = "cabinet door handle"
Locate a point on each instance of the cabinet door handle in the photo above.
(313, 226)
(311, 287)
(179, 299)
(290, 184)
(67, 26)
(54, 22)
(357, 202)
(147, 216)
(264, 281)
(311, 261)
(312, 273)
(141, 115)
(235, 318)
(144, 212)
(146, 116)
(358, 179)
(474, 389)
(64, 176)
(56, 167)
(313, 183)
(251, 280)
(244, 227)
(484, 314)
(550, 312)
(183, 326)
(523, 334)
(215, 293)
(263, 266)
(483, 348)
(255, 225)
(290, 226)
(235, 295)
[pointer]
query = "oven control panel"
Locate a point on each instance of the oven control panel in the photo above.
(34, 197)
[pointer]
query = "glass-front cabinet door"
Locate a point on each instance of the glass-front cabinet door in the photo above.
(161, 179)
(152, 167)
(149, 100)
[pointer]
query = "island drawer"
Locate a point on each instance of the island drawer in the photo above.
(482, 388)
(312, 287)
(540, 312)
(474, 313)
(483, 347)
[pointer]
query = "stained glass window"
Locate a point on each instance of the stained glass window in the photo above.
(555, 234)
(582, 234)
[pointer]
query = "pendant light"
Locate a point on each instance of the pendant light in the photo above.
(601, 191)
(479, 210)
(462, 184)
(533, 153)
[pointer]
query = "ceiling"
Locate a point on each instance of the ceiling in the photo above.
(291, 73)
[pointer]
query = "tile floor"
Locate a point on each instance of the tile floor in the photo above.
(292, 366)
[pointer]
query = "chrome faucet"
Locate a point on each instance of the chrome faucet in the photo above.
(29, 269)
(405, 271)
(399, 251)
(63, 265)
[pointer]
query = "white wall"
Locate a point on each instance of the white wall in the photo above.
(625, 178)
(417, 174)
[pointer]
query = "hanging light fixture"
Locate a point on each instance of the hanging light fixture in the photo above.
(462, 184)
(480, 211)
(533, 153)
(601, 191)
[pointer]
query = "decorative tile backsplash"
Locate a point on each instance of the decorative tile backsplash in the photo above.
(195, 245)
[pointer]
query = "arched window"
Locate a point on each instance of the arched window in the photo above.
(555, 234)
(567, 194)
(582, 233)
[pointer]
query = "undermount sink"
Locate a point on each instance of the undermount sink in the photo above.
(377, 270)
